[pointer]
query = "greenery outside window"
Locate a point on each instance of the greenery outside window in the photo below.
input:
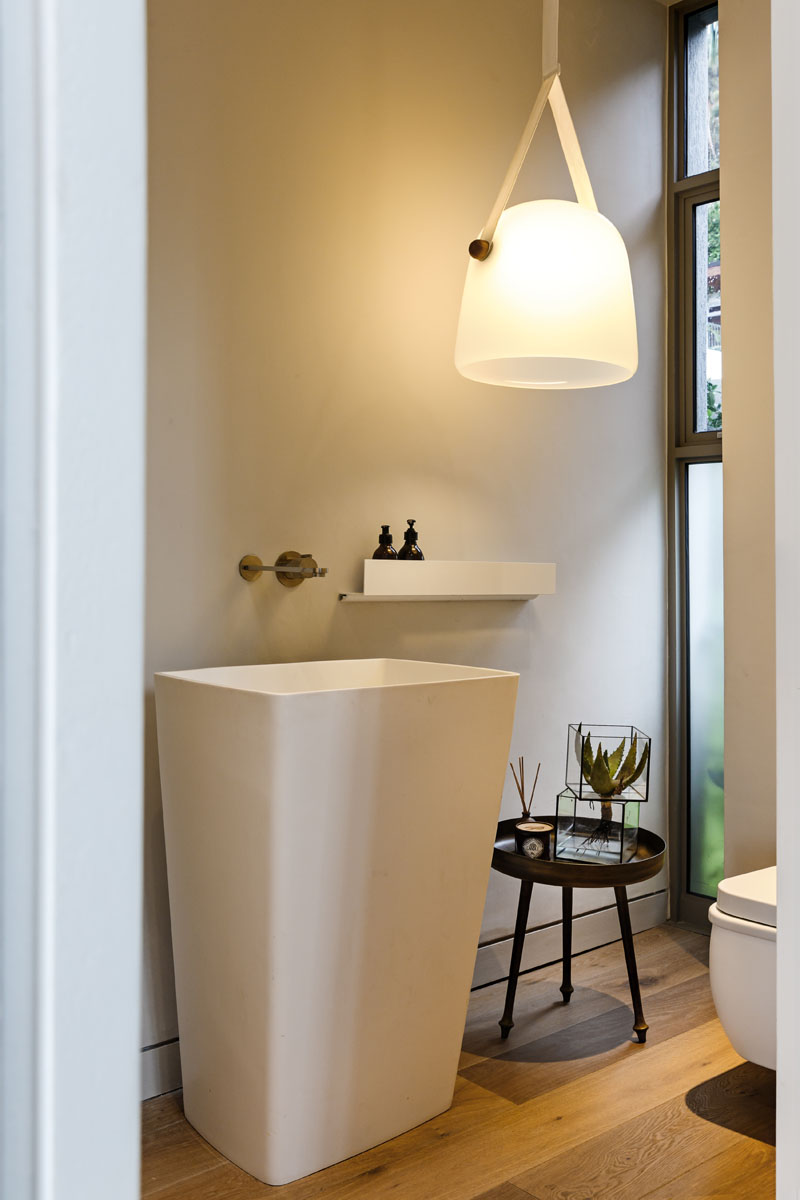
(697, 421)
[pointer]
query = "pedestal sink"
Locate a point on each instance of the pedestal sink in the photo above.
(329, 830)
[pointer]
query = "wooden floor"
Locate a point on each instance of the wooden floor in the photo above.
(569, 1108)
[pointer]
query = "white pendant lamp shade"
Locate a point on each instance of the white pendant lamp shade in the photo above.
(552, 304)
(548, 301)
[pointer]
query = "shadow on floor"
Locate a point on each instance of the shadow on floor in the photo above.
(595, 1035)
(742, 1099)
(699, 946)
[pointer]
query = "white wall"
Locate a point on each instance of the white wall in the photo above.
(317, 172)
(749, 441)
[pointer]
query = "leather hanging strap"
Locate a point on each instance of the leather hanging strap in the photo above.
(571, 147)
(549, 38)
(551, 90)
(487, 233)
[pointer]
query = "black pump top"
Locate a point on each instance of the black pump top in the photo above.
(410, 534)
(385, 538)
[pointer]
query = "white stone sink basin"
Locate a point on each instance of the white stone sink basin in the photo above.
(329, 831)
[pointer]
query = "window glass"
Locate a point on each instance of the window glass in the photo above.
(705, 676)
(702, 91)
(708, 313)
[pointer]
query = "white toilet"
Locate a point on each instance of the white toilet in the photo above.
(743, 930)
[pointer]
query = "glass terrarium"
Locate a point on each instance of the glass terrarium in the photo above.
(607, 778)
(608, 762)
(594, 830)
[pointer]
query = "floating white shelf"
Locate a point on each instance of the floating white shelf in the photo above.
(388, 580)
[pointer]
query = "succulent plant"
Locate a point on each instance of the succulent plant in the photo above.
(607, 774)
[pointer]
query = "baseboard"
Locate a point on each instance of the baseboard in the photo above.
(543, 945)
(161, 1069)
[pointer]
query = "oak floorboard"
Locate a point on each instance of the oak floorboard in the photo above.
(747, 1172)
(548, 1062)
(161, 1111)
(657, 1146)
(222, 1182)
(173, 1153)
(506, 1191)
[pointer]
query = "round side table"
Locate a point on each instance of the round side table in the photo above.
(648, 861)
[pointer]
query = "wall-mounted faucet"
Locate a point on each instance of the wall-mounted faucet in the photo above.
(290, 568)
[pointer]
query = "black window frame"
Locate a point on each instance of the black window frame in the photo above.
(686, 446)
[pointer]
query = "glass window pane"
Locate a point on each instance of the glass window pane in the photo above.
(705, 676)
(702, 91)
(708, 313)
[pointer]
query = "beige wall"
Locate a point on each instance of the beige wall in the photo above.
(748, 470)
(317, 170)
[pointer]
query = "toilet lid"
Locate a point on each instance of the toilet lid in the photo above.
(751, 897)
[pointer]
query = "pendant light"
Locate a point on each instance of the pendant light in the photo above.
(548, 300)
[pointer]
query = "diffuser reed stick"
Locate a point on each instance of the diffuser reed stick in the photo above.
(519, 780)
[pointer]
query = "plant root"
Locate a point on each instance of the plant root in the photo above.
(601, 836)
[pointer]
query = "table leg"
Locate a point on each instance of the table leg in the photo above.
(566, 944)
(525, 890)
(640, 1025)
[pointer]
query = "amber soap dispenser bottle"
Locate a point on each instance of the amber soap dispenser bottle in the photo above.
(410, 549)
(385, 547)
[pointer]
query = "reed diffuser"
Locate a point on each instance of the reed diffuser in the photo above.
(532, 836)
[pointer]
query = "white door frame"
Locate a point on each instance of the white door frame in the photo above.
(785, 19)
(72, 388)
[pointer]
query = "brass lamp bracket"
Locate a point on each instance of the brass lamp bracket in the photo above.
(290, 568)
(480, 249)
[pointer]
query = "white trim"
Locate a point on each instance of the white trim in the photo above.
(20, 629)
(72, 290)
(161, 1069)
(785, 23)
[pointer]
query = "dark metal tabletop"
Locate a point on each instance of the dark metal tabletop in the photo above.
(647, 861)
